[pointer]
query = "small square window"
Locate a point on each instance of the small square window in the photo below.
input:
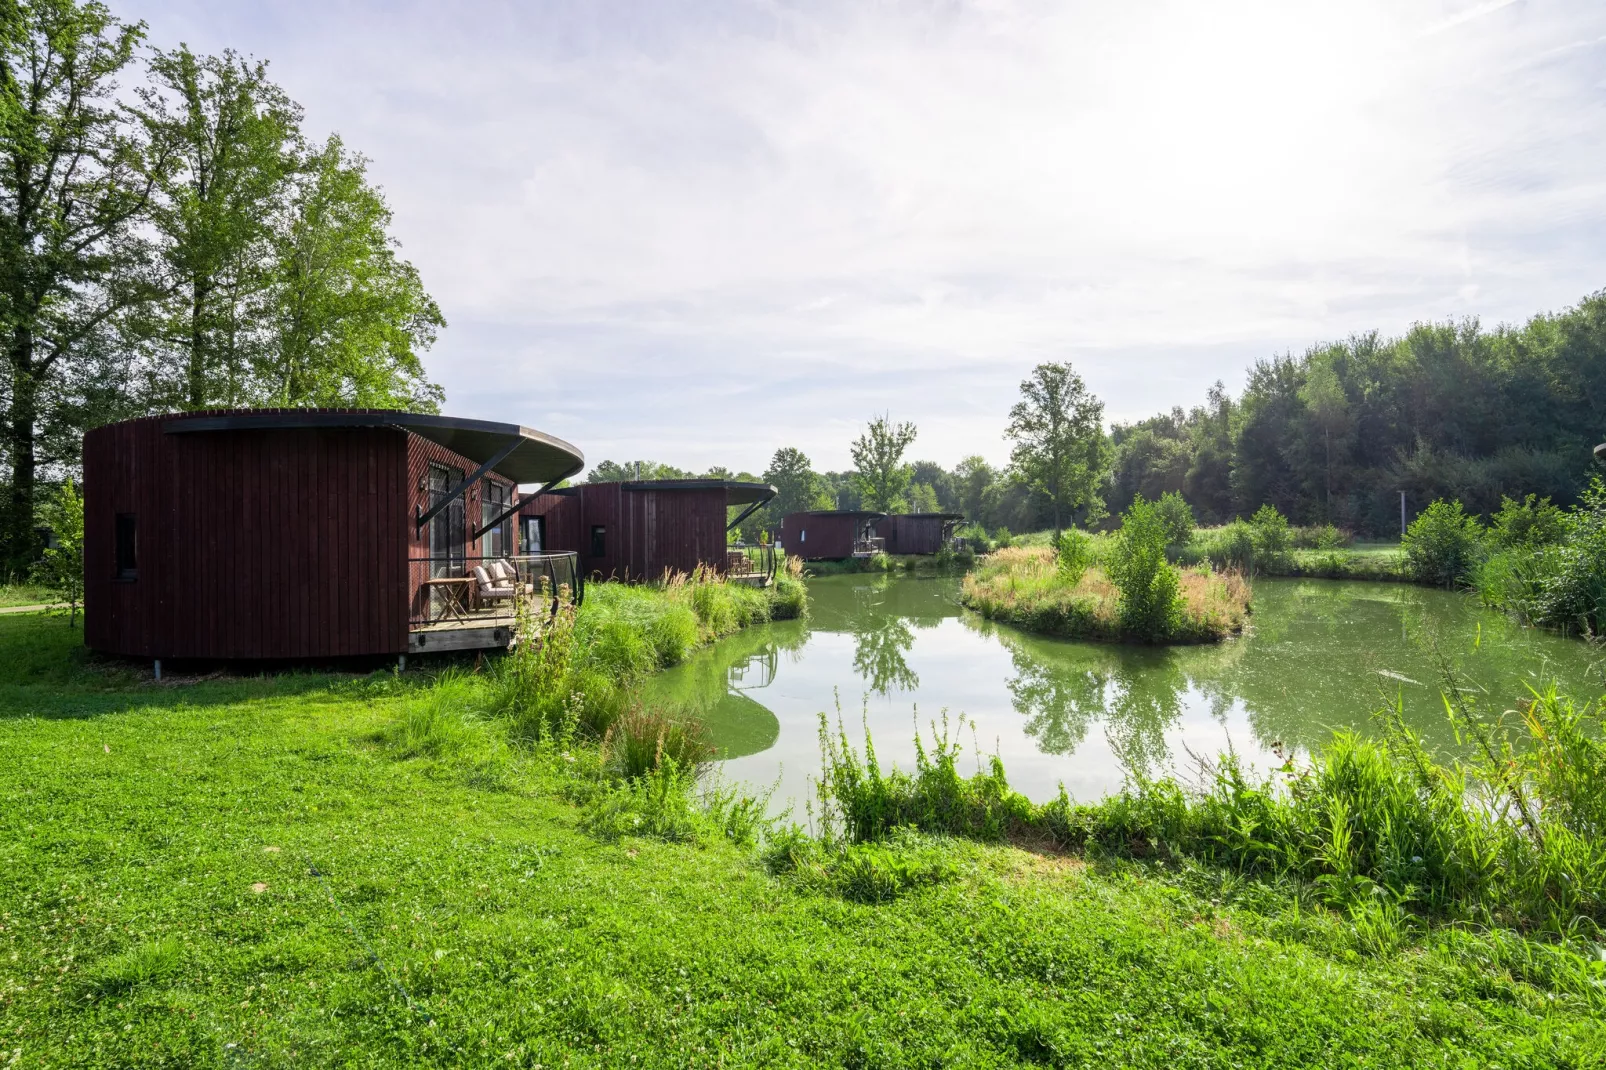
(127, 547)
(599, 540)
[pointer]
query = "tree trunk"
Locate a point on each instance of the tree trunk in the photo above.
(197, 392)
(20, 540)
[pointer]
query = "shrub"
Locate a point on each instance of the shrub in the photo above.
(1151, 606)
(1074, 554)
(1002, 539)
(1530, 523)
(1176, 515)
(1443, 544)
(1231, 546)
(1322, 537)
(1270, 537)
(976, 538)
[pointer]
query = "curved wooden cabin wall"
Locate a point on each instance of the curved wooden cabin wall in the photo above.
(288, 543)
(251, 544)
(829, 538)
(646, 531)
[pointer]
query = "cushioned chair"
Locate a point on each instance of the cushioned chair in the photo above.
(492, 588)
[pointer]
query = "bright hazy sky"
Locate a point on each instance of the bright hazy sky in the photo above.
(695, 232)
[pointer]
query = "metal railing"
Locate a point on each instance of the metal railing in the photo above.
(868, 546)
(448, 592)
(749, 561)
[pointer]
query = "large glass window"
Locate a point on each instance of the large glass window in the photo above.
(494, 500)
(447, 539)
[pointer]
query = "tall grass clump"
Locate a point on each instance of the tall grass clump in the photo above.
(440, 721)
(642, 740)
(860, 803)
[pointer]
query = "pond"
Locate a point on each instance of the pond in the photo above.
(888, 652)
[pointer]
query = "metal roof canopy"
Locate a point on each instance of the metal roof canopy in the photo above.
(509, 450)
(930, 516)
(737, 492)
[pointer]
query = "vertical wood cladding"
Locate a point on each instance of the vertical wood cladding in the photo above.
(820, 536)
(645, 531)
(917, 534)
(270, 543)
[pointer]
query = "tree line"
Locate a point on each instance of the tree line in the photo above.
(171, 238)
(1450, 411)
(1447, 410)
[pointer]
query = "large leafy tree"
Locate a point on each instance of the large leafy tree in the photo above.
(227, 140)
(1058, 435)
(880, 473)
(798, 488)
(349, 319)
(72, 190)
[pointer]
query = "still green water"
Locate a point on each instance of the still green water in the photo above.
(888, 651)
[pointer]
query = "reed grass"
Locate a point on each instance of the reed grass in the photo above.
(1024, 586)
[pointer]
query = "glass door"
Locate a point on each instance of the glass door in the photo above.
(448, 543)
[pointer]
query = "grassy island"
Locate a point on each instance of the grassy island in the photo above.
(1024, 586)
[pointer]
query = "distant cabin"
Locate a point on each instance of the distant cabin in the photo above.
(831, 534)
(918, 533)
(310, 533)
(637, 530)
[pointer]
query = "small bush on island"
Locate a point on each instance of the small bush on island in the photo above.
(1176, 516)
(1150, 607)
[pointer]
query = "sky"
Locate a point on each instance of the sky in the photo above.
(696, 232)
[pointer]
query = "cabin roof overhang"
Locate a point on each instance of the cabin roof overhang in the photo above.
(737, 492)
(926, 516)
(844, 512)
(514, 452)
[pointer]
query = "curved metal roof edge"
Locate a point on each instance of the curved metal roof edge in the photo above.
(737, 491)
(931, 516)
(841, 512)
(417, 422)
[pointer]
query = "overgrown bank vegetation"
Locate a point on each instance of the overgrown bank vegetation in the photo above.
(1511, 837)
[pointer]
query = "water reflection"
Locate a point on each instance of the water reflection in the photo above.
(1319, 655)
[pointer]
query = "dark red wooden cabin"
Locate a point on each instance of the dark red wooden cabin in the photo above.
(917, 533)
(830, 534)
(301, 533)
(636, 530)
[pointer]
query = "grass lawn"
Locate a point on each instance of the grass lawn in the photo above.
(243, 873)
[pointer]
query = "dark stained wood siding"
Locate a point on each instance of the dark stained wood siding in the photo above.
(288, 543)
(646, 531)
(913, 534)
(819, 536)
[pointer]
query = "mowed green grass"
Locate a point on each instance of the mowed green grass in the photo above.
(238, 873)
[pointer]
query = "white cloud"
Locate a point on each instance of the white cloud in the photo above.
(698, 232)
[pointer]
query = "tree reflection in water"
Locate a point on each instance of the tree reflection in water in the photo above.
(882, 635)
(1138, 693)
